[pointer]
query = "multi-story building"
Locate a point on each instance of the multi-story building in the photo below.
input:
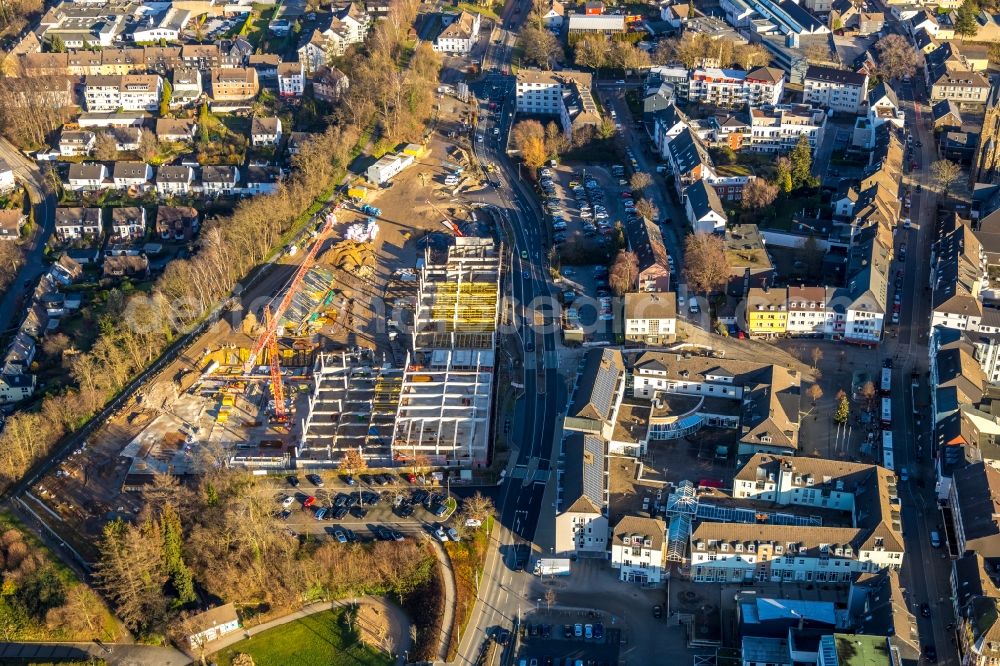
(637, 549)
(871, 541)
(83, 24)
(460, 33)
(329, 84)
(767, 312)
(735, 87)
(651, 317)
(808, 313)
(581, 524)
(776, 129)
(130, 92)
(839, 90)
(958, 265)
(74, 224)
(186, 87)
(964, 87)
(566, 95)
(291, 79)
(234, 84)
(128, 223)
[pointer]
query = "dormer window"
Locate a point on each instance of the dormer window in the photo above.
(626, 540)
(648, 543)
(779, 549)
(739, 548)
(798, 479)
(751, 548)
(725, 547)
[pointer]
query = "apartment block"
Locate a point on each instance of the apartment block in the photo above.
(130, 92)
(839, 90)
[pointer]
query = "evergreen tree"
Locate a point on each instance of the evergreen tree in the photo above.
(165, 100)
(783, 174)
(801, 163)
(843, 412)
(173, 539)
(203, 124)
(965, 19)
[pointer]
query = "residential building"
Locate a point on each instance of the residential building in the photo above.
(749, 263)
(607, 24)
(128, 224)
(688, 160)
(581, 525)
(946, 115)
(265, 131)
(87, 176)
(329, 84)
(553, 16)
(459, 34)
(173, 180)
(638, 549)
(600, 389)
(74, 224)
(776, 129)
(964, 87)
(565, 94)
(958, 265)
(654, 262)
(186, 87)
(736, 88)
(808, 312)
(180, 130)
(178, 223)
(346, 27)
(7, 182)
(291, 79)
(134, 266)
(105, 119)
(767, 312)
(217, 180)
(84, 24)
(11, 223)
(129, 92)
(704, 209)
(131, 174)
(803, 552)
(163, 26)
(651, 317)
(839, 90)
(975, 506)
(267, 65)
(234, 84)
(260, 180)
(212, 624)
(74, 143)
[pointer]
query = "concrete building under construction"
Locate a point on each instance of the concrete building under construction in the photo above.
(446, 392)
(352, 406)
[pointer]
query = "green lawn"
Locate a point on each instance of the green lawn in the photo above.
(318, 639)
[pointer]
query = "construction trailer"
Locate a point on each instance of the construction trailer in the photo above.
(447, 385)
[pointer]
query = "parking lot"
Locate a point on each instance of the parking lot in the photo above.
(549, 639)
(373, 507)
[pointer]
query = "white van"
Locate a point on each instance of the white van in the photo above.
(451, 180)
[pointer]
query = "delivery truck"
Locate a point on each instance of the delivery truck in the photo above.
(552, 566)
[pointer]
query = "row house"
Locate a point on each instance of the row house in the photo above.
(128, 224)
(176, 130)
(638, 549)
(84, 176)
(131, 174)
(73, 224)
(958, 275)
(176, 223)
(219, 180)
(185, 83)
(174, 180)
(265, 131)
(736, 88)
(137, 60)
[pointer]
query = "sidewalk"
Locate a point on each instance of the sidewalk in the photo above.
(148, 655)
(399, 631)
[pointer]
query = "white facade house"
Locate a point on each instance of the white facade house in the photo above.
(265, 131)
(581, 523)
(704, 209)
(836, 89)
(78, 223)
(809, 312)
(637, 549)
(131, 174)
(130, 92)
(128, 223)
(167, 26)
(216, 180)
(186, 87)
(85, 176)
(735, 87)
(387, 167)
(776, 129)
(460, 33)
(173, 179)
(74, 143)
(213, 624)
(291, 79)
(553, 17)
(651, 317)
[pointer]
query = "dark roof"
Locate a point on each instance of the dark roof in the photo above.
(833, 75)
(598, 384)
(583, 478)
(218, 174)
(86, 171)
(686, 151)
(945, 108)
(882, 90)
(800, 15)
(130, 170)
(704, 199)
(978, 488)
(173, 174)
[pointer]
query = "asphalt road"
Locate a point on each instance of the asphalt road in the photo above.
(27, 172)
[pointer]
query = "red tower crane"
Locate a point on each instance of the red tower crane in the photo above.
(269, 337)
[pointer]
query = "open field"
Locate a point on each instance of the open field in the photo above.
(322, 639)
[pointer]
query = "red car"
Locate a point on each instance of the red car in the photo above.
(309, 501)
(412, 478)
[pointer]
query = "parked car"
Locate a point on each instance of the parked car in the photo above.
(288, 501)
(316, 480)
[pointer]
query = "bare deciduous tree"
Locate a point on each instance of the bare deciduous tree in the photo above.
(896, 58)
(639, 181)
(759, 193)
(945, 173)
(353, 462)
(624, 272)
(705, 265)
(814, 393)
